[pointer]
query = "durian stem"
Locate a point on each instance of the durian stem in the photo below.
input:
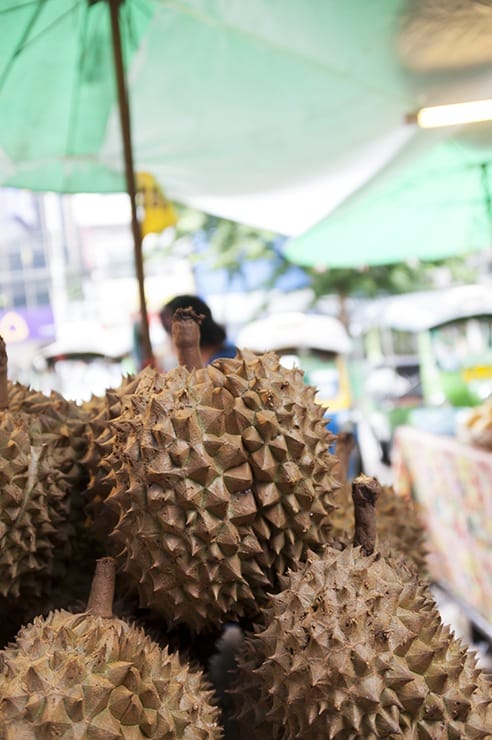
(100, 602)
(365, 491)
(186, 337)
(344, 445)
(4, 393)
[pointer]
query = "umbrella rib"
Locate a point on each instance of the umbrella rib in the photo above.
(51, 25)
(127, 17)
(13, 8)
(142, 7)
(131, 35)
(21, 43)
(74, 97)
(125, 21)
(26, 41)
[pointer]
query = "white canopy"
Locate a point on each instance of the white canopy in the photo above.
(295, 330)
(269, 113)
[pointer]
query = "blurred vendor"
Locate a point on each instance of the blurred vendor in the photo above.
(213, 338)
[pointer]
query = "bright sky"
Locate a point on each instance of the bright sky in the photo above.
(91, 209)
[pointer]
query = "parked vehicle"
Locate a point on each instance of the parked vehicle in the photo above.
(78, 365)
(426, 357)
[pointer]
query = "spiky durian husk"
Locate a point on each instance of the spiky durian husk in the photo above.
(399, 530)
(54, 407)
(222, 480)
(82, 676)
(98, 411)
(65, 421)
(58, 415)
(34, 504)
(62, 424)
(356, 649)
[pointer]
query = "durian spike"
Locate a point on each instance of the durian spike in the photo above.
(100, 602)
(365, 491)
(345, 443)
(4, 394)
(186, 337)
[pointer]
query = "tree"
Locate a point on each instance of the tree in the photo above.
(402, 277)
(231, 244)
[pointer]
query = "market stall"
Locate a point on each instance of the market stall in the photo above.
(452, 484)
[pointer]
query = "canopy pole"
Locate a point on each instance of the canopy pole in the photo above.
(124, 111)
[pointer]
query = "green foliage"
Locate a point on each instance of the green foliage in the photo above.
(232, 244)
(402, 277)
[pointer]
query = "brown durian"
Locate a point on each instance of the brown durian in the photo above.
(63, 418)
(92, 675)
(63, 424)
(98, 411)
(399, 529)
(41, 518)
(354, 647)
(34, 505)
(35, 487)
(221, 481)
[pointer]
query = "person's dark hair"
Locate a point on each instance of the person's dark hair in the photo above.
(211, 333)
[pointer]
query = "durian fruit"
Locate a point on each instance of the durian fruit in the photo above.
(55, 410)
(354, 647)
(63, 423)
(33, 505)
(476, 428)
(35, 530)
(92, 675)
(400, 532)
(399, 529)
(221, 481)
(63, 418)
(98, 411)
(34, 495)
(41, 518)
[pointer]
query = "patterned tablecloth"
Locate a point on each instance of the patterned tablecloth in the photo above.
(452, 485)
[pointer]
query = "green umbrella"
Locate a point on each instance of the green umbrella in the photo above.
(266, 112)
(63, 67)
(227, 99)
(438, 206)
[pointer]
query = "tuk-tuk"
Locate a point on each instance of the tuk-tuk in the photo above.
(426, 357)
(319, 345)
(80, 366)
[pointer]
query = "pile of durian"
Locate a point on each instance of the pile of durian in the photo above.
(476, 428)
(242, 587)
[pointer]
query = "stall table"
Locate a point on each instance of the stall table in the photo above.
(451, 483)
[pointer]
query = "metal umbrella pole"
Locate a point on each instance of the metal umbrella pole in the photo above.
(124, 111)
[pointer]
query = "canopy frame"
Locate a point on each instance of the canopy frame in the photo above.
(125, 125)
